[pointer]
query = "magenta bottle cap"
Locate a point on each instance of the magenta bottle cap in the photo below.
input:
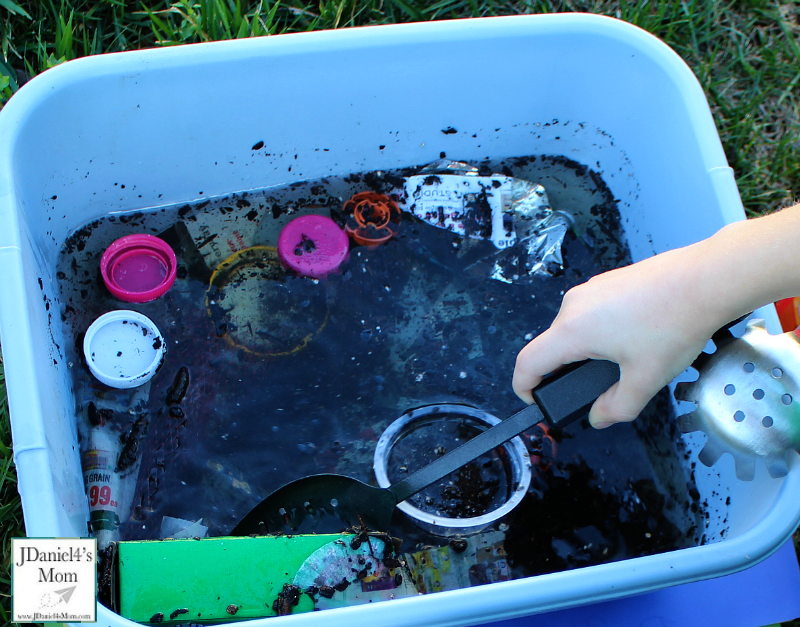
(313, 246)
(138, 268)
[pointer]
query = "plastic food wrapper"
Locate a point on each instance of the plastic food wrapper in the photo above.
(180, 528)
(340, 575)
(513, 213)
(471, 561)
(235, 232)
(539, 252)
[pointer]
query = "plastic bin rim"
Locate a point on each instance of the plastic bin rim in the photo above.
(522, 596)
(608, 581)
(46, 85)
(383, 35)
(24, 103)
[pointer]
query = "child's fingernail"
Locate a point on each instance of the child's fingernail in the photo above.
(602, 425)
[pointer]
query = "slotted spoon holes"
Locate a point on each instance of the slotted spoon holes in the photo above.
(758, 394)
(766, 421)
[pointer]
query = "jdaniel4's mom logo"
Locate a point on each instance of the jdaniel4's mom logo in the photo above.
(54, 580)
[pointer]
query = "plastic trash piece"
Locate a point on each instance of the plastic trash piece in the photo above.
(112, 429)
(123, 349)
(313, 246)
(456, 196)
(538, 250)
(234, 230)
(516, 467)
(543, 243)
(514, 214)
(179, 528)
(251, 309)
(464, 562)
(138, 268)
(341, 574)
(372, 218)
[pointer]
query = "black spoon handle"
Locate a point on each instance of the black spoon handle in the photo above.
(560, 400)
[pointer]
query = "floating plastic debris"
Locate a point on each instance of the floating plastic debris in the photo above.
(110, 458)
(257, 306)
(538, 251)
(234, 230)
(371, 218)
(364, 570)
(454, 196)
(512, 213)
(313, 246)
(138, 268)
(464, 562)
(179, 528)
(124, 349)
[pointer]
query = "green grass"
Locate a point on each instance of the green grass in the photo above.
(745, 53)
(11, 524)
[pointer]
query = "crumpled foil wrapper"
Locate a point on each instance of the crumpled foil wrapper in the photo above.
(537, 253)
(532, 233)
(448, 166)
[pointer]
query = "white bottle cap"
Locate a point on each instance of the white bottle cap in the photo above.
(123, 349)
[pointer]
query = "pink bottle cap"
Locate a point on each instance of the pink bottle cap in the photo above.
(138, 268)
(313, 246)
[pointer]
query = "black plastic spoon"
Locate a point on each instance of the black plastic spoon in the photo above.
(560, 400)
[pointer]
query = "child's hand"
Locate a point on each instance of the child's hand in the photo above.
(645, 317)
(654, 317)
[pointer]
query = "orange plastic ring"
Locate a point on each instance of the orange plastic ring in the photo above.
(371, 218)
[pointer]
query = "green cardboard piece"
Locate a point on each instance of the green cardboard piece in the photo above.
(213, 579)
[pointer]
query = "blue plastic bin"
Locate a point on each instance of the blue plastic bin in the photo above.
(178, 124)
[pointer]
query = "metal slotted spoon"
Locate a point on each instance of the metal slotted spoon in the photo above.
(748, 400)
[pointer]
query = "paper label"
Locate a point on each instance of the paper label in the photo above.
(102, 482)
(234, 231)
(471, 206)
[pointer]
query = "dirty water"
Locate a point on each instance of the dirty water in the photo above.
(271, 377)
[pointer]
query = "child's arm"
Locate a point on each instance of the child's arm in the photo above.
(654, 317)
